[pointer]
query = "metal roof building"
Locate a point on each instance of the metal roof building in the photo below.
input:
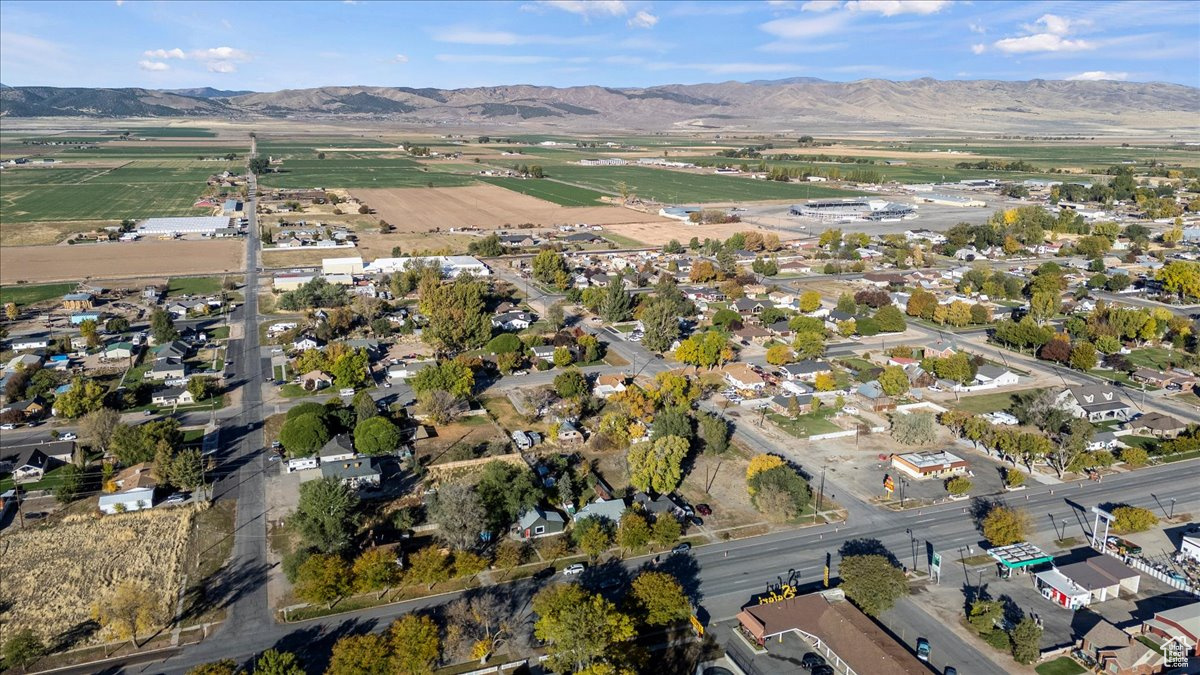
(184, 225)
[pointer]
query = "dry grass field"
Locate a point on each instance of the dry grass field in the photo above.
(484, 206)
(39, 264)
(656, 234)
(54, 574)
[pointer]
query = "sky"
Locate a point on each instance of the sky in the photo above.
(267, 46)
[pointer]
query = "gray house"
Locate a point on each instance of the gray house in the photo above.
(359, 473)
(536, 522)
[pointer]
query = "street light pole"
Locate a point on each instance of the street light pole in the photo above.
(913, 541)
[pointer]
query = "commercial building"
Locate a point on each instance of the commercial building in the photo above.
(452, 265)
(602, 161)
(847, 210)
(951, 200)
(929, 464)
(201, 225)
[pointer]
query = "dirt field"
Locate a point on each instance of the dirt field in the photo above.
(654, 234)
(53, 574)
(37, 264)
(484, 206)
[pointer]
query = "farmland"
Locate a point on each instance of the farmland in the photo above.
(38, 264)
(559, 193)
(28, 295)
(358, 173)
(678, 187)
(54, 575)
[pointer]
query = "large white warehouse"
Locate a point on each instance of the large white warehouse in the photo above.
(206, 225)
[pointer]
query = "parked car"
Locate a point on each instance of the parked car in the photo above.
(824, 669)
(950, 670)
(812, 660)
(8, 427)
(682, 548)
(572, 570)
(68, 437)
(923, 649)
(177, 498)
(704, 509)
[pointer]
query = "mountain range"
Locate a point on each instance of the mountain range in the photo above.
(1068, 107)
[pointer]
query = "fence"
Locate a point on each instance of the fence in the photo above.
(1147, 568)
(511, 458)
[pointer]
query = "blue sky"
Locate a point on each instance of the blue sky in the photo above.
(267, 46)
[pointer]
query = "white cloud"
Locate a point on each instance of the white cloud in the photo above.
(894, 7)
(176, 53)
(588, 7)
(643, 19)
(820, 5)
(978, 48)
(976, 27)
(795, 28)
(1056, 25)
(471, 36)
(501, 59)
(221, 67)
(153, 65)
(400, 58)
(219, 54)
(1095, 75)
(1042, 42)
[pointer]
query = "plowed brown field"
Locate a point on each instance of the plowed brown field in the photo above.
(116, 260)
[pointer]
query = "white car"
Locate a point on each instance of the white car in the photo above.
(572, 570)
(68, 437)
(850, 410)
(7, 427)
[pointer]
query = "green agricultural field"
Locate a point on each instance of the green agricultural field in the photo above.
(358, 173)
(677, 187)
(559, 193)
(1048, 155)
(168, 132)
(148, 150)
(194, 286)
(130, 191)
(27, 295)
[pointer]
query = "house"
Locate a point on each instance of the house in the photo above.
(78, 301)
(174, 349)
(942, 349)
(518, 240)
(315, 380)
(792, 388)
(119, 351)
(536, 523)
(994, 376)
(607, 385)
(930, 464)
(167, 369)
(745, 306)
(403, 371)
(338, 448)
(1180, 625)
(781, 328)
(872, 393)
(360, 473)
(23, 362)
(755, 334)
(1105, 577)
(1154, 378)
(1094, 402)
(513, 320)
(781, 298)
(153, 293)
(172, 396)
(742, 376)
(133, 499)
(602, 508)
(568, 433)
(30, 465)
(786, 405)
(806, 371)
(544, 352)
(307, 342)
(656, 506)
(1157, 425)
(29, 409)
(29, 342)
(1118, 652)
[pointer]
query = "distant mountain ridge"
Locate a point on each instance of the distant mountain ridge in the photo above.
(794, 103)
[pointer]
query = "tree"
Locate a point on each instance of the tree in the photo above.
(958, 486)
(581, 628)
(162, 327)
(441, 407)
(1044, 305)
(714, 431)
(427, 566)
(893, 380)
(23, 647)
(890, 319)
(129, 609)
(780, 493)
(97, 428)
(915, 428)
(657, 599)
(11, 312)
(1181, 278)
(555, 316)
(460, 515)
(506, 490)
(672, 422)
(1083, 356)
(824, 382)
(376, 436)
(809, 345)
(275, 662)
(376, 570)
(563, 357)
(660, 322)
(90, 332)
(727, 319)
(571, 384)
(350, 369)
(304, 435)
(616, 305)
(657, 465)
(665, 530)
(415, 644)
(872, 582)
(778, 355)
(368, 654)
(1057, 349)
(549, 267)
(222, 667)
(633, 532)
(325, 515)
(449, 375)
(809, 301)
(201, 387)
(1026, 641)
(593, 535)
(1004, 525)
(83, 397)
(1133, 519)
(186, 469)
(511, 554)
(457, 320)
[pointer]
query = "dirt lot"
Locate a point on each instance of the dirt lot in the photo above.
(484, 206)
(54, 573)
(37, 264)
(657, 233)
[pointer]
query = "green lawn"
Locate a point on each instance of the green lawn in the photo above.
(1157, 358)
(27, 295)
(194, 286)
(985, 403)
(679, 187)
(559, 193)
(1063, 665)
(804, 425)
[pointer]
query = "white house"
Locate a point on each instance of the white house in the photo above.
(403, 371)
(1095, 403)
(307, 342)
(607, 385)
(743, 377)
(512, 320)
